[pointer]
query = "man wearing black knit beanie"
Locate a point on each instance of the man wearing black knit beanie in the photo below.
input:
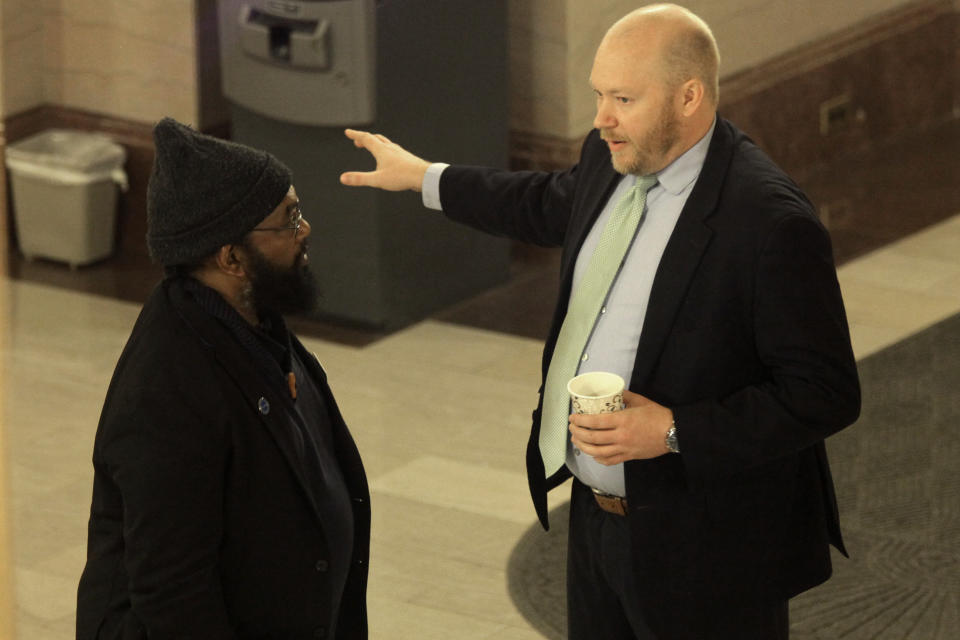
(229, 498)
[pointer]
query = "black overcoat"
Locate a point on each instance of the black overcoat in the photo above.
(745, 338)
(202, 523)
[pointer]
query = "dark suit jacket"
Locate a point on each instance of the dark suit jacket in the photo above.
(202, 523)
(745, 339)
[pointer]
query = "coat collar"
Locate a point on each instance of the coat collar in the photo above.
(265, 400)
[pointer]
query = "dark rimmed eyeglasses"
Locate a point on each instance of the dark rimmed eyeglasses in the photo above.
(295, 222)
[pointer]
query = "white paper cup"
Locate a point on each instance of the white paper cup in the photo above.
(596, 392)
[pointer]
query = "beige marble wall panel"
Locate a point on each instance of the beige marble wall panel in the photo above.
(748, 33)
(752, 31)
(538, 66)
(21, 54)
(588, 22)
(135, 60)
(169, 22)
(2, 76)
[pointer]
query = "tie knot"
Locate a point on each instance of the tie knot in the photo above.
(645, 183)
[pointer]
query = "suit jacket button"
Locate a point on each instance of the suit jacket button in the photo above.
(322, 565)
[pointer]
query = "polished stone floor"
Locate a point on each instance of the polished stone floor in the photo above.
(440, 411)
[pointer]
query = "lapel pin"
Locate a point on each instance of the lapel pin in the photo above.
(263, 405)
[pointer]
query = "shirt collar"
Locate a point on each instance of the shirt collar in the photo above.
(682, 172)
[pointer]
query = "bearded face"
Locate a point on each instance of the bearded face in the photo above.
(280, 288)
(644, 151)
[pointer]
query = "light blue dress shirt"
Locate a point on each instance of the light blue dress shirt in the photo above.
(613, 344)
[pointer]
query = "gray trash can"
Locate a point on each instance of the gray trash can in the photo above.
(64, 187)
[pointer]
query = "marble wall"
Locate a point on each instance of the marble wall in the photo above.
(553, 42)
(131, 59)
(538, 62)
(119, 65)
(140, 59)
(134, 60)
(113, 66)
(22, 56)
(869, 126)
(2, 76)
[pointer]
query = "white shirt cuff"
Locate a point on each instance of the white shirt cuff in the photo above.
(430, 189)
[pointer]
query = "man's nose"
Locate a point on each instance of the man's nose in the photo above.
(604, 118)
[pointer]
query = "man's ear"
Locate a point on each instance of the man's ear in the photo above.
(692, 94)
(229, 260)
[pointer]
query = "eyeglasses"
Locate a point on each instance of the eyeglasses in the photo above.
(295, 222)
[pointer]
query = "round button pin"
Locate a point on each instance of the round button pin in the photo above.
(264, 406)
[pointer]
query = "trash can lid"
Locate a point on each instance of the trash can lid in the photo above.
(81, 151)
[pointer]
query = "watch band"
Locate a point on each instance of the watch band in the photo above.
(671, 439)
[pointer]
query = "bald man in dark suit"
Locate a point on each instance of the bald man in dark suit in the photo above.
(707, 502)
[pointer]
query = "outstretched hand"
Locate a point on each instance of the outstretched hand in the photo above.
(635, 432)
(397, 169)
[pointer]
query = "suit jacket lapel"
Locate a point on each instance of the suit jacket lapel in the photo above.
(262, 397)
(681, 257)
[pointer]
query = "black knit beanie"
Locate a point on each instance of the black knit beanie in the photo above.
(205, 192)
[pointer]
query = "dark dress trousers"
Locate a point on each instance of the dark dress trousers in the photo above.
(203, 522)
(746, 340)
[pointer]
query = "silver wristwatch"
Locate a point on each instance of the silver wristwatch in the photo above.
(671, 439)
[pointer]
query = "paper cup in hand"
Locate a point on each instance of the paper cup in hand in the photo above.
(596, 392)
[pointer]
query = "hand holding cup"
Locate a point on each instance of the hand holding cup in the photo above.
(596, 392)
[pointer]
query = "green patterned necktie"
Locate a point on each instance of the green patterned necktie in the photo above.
(582, 310)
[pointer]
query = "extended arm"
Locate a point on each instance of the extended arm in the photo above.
(531, 206)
